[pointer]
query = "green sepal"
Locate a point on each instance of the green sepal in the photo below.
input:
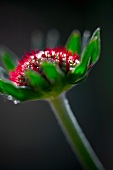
(74, 42)
(72, 79)
(9, 59)
(55, 76)
(89, 56)
(19, 93)
(91, 53)
(96, 35)
(36, 80)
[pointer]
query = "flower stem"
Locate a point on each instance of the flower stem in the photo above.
(74, 134)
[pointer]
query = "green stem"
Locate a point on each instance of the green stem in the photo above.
(74, 134)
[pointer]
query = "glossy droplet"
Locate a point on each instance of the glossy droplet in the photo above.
(16, 101)
(9, 97)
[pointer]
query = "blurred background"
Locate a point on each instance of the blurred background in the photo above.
(30, 137)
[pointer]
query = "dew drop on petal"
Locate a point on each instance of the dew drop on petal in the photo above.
(16, 101)
(9, 97)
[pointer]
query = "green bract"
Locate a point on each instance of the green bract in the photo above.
(51, 80)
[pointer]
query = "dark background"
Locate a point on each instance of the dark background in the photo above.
(30, 138)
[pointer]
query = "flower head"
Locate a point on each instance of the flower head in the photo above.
(60, 56)
(45, 74)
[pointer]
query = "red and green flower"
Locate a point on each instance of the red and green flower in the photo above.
(48, 73)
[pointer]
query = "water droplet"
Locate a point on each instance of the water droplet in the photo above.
(16, 101)
(10, 97)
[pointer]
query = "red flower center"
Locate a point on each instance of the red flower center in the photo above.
(60, 56)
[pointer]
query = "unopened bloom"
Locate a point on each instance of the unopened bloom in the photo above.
(48, 73)
(61, 57)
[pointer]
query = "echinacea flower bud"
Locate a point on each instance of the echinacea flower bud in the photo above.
(64, 59)
(47, 73)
